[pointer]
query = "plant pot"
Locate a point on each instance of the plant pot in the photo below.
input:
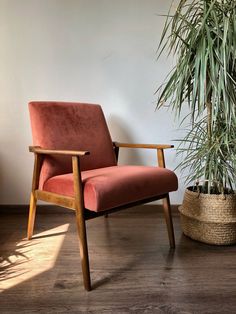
(209, 218)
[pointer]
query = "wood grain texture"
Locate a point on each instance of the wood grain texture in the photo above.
(60, 200)
(132, 268)
(80, 220)
(33, 197)
(168, 219)
(150, 146)
(42, 151)
(161, 158)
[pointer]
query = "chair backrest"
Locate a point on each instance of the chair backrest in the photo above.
(72, 126)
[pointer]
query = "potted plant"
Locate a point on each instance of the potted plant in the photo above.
(202, 36)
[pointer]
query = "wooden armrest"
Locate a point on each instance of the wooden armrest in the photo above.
(39, 150)
(152, 146)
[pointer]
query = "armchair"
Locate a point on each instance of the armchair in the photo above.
(76, 167)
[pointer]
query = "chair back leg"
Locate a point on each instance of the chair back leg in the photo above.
(169, 222)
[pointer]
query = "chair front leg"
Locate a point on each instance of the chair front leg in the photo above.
(83, 246)
(32, 213)
(33, 199)
(81, 225)
(169, 222)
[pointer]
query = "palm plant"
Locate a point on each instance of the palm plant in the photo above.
(202, 35)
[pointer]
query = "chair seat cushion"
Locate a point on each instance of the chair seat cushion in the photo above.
(106, 188)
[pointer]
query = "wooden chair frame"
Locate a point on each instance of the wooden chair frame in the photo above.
(77, 203)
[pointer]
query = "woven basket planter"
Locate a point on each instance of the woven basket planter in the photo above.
(209, 218)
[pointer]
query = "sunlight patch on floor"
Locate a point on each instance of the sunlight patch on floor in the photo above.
(34, 253)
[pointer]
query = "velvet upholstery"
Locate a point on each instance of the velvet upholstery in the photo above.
(70, 126)
(109, 187)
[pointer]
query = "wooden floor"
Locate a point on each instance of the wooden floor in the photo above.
(132, 268)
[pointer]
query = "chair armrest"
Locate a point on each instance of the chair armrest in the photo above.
(150, 146)
(42, 151)
(159, 147)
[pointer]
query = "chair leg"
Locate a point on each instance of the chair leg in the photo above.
(79, 208)
(83, 250)
(168, 218)
(31, 219)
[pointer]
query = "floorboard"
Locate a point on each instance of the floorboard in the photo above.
(132, 268)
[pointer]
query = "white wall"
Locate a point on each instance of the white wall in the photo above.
(101, 51)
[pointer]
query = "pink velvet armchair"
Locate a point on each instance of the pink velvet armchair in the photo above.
(76, 167)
